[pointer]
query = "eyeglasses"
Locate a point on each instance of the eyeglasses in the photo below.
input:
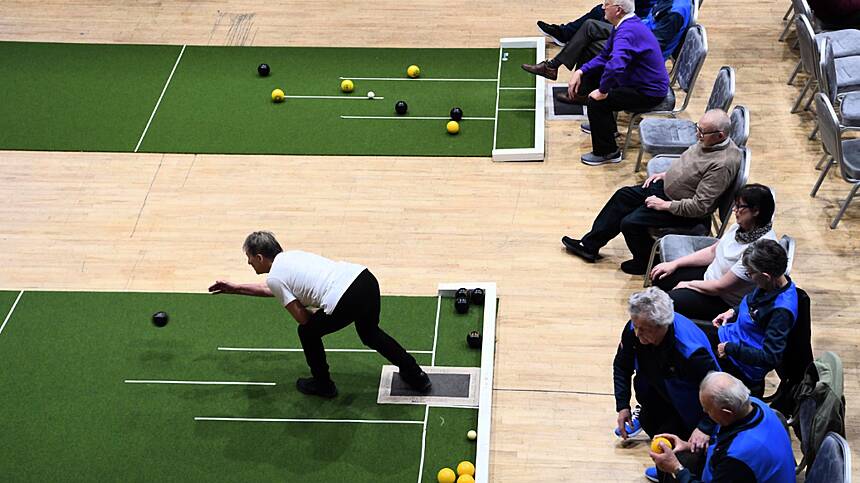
(739, 207)
(701, 133)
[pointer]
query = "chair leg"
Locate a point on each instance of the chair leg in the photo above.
(821, 178)
(801, 96)
(809, 101)
(821, 161)
(784, 33)
(794, 74)
(844, 205)
(814, 130)
(788, 12)
(630, 127)
(639, 159)
(647, 282)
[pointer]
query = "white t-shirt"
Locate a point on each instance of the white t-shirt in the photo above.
(729, 256)
(313, 280)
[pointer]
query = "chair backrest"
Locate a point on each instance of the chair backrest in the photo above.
(723, 92)
(828, 126)
(832, 463)
(801, 7)
(827, 70)
(696, 5)
(788, 243)
(740, 125)
(806, 39)
(727, 200)
(691, 59)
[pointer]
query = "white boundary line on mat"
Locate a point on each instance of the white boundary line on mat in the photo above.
(302, 420)
(427, 406)
(425, 79)
(418, 118)
(202, 383)
(151, 116)
(9, 315)
(277, 349)
(498, 92)
(352, 98)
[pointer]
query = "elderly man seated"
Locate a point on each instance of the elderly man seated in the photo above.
(683, 196)
(751, 443)
(751, 340)
(667, 19)
(670, 356)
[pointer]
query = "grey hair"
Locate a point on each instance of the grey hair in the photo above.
(765, 256)
(626, 5)
(726, 391)
(653, 305)
(262, 243)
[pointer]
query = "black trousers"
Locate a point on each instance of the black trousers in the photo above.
(601, 114)
(360, 304)
(585, 44)
(626, 213)
(657, 415)
(595, 13)
(689, 303)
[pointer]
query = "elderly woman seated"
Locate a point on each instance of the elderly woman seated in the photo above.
(751, 339)
(706, 283)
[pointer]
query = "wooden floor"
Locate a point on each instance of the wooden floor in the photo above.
(176, 222)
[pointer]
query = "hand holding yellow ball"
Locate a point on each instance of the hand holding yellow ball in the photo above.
(655, 444)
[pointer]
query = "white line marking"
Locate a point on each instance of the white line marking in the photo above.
(496, 115)
(418, 118)
(423, 443)
(288, 420)
(516, 109)
(213, 383)
(9, 315)
(151, 116)
(517, 88)
(275, 349)
(425, 79)
(365, 98)
(436, 329)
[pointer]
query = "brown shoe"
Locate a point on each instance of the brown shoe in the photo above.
(542, 70)
(576, 99)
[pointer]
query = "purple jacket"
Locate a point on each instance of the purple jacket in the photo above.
(631, 58)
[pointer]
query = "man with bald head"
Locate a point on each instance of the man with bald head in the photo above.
(752, 445)
(684, 196)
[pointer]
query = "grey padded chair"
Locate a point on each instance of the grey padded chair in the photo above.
(847, 105)
(847, 68)
(690, 62)
(846, 41)
(832, 461)
(845, 153)
(740, 134)
(674, 136)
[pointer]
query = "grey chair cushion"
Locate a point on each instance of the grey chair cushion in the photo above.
(850, 110)
(673, 247)
(851, 158)
(669, 136)
(847, 74)
(660, 164)
(845, 42)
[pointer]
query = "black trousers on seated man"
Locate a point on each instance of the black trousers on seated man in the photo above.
(626, 213)
(601, 114)
(360, 303)
(585, 44)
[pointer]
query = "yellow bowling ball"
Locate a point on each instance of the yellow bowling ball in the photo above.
(278, 95)
(413, 71)
(466, 479)
(446, 475)
(453, 127)
(347, 85)
(655, 444)
(466, 468)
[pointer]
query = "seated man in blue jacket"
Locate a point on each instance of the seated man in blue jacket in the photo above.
(667, 19)
(751, 444)
(751, 340)
(561, 34)
(669, 356)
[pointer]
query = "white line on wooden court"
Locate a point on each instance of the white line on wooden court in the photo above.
(276, 349)
(353, 98)
(301, 420)
(420, 79)
(418, 118)
(151, 116)
(202, 383)
(9, 315)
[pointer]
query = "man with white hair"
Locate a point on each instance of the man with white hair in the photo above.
(670, 356)
(751, 442)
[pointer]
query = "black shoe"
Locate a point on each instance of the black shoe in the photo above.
(316, 387)
(419, 381)
(553, 31)
(574, 246)
(577, 100)
(542, 69)
(632, 267)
